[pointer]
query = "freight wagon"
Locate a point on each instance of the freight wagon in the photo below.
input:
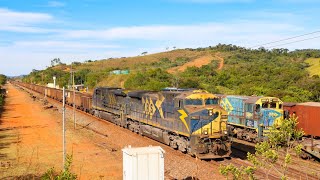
(308, 115)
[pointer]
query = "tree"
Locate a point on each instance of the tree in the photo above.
(55, 61)
(144, 53)
(283, 141)
(3, 79)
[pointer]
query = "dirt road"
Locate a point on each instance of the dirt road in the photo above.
(31, 142)
(199, 62)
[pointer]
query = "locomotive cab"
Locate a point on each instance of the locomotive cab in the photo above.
(207, 123)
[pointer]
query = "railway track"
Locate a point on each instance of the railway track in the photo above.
(238, 158)
(297, 169)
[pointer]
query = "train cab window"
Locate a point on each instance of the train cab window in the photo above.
(265, 105)
(280, 106)
(258, 107)
(194, 102)
(178, 103)
(211, 101)
(249, 107)
(273, 105)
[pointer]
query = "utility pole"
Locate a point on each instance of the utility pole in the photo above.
(74, 97)
(74, 103)
(64, 128)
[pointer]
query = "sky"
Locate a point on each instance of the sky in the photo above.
(34, 32)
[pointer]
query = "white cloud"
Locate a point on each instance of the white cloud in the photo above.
(22, 21)
(62, 45)
(56, 4)
(199, 32)
(213, 1)
(28, 59)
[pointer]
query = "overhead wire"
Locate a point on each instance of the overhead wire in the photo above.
(294, 37)
(294, 41)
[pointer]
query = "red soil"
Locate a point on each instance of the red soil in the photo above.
(31, 142)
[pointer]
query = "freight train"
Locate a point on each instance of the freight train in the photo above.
(249, 117)
(187, 120)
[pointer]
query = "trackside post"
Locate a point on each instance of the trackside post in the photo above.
(63, 128)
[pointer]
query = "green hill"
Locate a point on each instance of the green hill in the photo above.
(224, 69)
(314, 68)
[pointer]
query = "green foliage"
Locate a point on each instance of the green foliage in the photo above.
(283, 140)
(241, 173)
(46, 76)
(166, 63)
(82, 76)
(3, 79)
(154, 79)
(275, 72)
(1, 101)
(51, 174)
(55, 61)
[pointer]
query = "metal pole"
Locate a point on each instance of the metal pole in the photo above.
(63, 128)
(74, 104)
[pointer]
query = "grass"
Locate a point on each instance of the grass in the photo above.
(135, 64)
(138, 61)
(314, 68)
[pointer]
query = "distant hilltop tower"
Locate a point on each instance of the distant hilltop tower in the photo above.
(54, 81)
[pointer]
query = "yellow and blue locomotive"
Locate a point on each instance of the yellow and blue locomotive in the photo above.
(249, 117)
(188, 120)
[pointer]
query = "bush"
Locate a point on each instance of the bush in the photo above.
(51, 174)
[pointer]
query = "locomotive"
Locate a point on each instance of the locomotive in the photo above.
(249, 117)
(188, 120)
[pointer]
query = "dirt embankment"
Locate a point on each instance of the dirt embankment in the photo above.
(199, 62)
(31, 142)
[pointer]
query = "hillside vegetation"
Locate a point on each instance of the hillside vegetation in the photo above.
(232, 70)
(314, 68)
(3, 80)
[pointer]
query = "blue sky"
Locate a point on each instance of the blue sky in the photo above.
(36, 31)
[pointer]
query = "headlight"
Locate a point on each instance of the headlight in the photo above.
(225, 132)
(205, 132)
(224, 116)
(210, 112)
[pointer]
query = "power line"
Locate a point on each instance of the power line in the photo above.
(272, 42)
(294, 41)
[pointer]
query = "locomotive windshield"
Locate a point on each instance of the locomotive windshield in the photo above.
(195, 102)
(271, 105)
(211, 101)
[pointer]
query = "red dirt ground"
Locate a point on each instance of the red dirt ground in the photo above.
(31, 143)
(201, 61)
